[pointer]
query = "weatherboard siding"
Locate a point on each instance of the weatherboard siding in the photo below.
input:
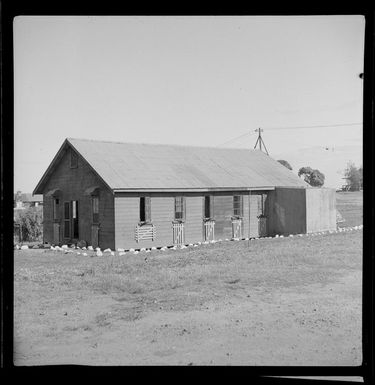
(223, 212)
(73, 182)
(127, 218)
(287, 211)
(162, 216)
(194, 219)
(254, 212)
(320, 209)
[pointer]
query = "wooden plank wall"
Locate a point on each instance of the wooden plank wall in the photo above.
(194, 219)
(286, 211)
(246, 202)
(223, 211)
(73, 182)
(127, 218)
(320, 209)
(254, 212)
(162, 216)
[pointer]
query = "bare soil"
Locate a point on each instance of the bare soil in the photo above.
(284, 301)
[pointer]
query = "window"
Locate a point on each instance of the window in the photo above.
(237, 206)
(75, 219)
(73, 159)
(179, 208)
(56, 206)
(262, 204)
(95, 209)
(66, 219)
(145, 209)
(208, 207)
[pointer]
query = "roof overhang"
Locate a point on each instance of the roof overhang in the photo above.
(208, 189)
(52, 193)
(92, 190)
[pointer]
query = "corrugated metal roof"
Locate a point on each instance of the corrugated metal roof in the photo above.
(152, 166)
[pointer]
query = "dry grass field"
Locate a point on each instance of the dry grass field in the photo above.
(280, 301)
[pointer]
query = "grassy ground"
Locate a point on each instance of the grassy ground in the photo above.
(281, 301)
(350, 204)
(263, 302)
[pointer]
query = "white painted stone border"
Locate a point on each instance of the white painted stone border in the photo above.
(122, 251)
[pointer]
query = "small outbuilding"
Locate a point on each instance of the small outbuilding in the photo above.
(127, 195)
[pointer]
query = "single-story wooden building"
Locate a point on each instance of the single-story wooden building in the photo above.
(126, 195)
(26, 200)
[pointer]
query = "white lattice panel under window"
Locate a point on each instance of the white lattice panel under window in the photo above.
(209, 230)
(145, 233)
(178, 233)
(236, 228)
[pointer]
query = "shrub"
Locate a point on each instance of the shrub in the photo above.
(30, 221)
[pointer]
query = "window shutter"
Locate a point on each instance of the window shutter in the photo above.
(55, 208)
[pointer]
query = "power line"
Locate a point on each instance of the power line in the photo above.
(320, 126)
(292, 128)
(231, 140)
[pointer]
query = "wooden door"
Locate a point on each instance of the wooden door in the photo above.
(67, 220)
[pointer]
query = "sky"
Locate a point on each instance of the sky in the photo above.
(191, 80)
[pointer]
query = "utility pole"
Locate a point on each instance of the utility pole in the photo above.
(260, 141)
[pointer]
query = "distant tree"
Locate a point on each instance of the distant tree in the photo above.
(313, 177)
(354, 176)
(285, 163)
(360, 170)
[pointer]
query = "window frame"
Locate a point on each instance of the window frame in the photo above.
(239, 214)
(95, 209)
(182, 206)
(56, 209)
(210, 207)
(75, 219)
(145, 211)
(262, 205)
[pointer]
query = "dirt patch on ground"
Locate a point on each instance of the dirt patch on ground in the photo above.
(294, 301)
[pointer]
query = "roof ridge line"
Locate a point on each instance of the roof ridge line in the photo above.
(163, 144)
